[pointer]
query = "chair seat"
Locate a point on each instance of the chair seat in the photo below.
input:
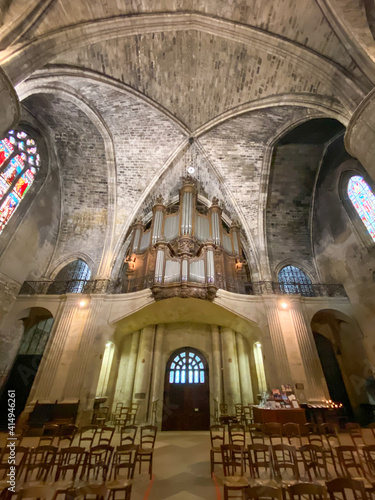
(118, 484)
(216, 449)
(235, 481)
(145, 451)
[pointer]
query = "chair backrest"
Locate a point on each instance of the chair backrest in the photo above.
(233, 458)
(86, 435)
(128, 434)
(284, 459)
(237, 434)
(71, 459)
(350, 461)
(260, 492)
(124, 460)
(118, 406)
(20, 457)
(49, 432)
(148, 437)
(256, 433)
(355, 433)
(310, 491)
(330, 433)
(274, 432)
(217, 435)
(67, 434)
(314, 462)
(223, 408)
(260, 461)
(105, 435)
(346, 488)
(248, 416)
(238, 411)
(369, 457)
(292, 432)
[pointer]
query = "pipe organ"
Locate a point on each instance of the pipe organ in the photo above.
(187, 250)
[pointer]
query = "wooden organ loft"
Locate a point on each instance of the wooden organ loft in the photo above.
(187, 250)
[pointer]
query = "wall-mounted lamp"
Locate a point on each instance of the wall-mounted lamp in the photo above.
(284, 305)
(82, 303)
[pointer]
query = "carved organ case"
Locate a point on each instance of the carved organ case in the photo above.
(187, 251)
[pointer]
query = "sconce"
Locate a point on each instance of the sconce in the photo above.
(130, 261)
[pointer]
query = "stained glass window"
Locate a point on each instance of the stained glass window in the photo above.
(294, 280)
(19, 162)
(363, 200)
(187, 368)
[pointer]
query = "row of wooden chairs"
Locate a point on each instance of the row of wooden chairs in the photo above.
(243, 413)
(278, 465)
(124, 415)
(101, 471)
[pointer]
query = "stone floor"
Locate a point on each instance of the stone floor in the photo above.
(181, 468)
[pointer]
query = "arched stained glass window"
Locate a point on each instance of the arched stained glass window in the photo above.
(363, 201)
(294, 280)
(19, 162)
(187, 368)
(71, 279)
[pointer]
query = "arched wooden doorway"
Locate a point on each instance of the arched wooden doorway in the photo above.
(186, 404)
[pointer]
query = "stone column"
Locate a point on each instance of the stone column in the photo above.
(232, 390)
(49, 383)
(142, 381)
(316, 385)
(157, 383)
(244, 369)
(281, 366)
(130, 367)
(216, 372)
(9, 105)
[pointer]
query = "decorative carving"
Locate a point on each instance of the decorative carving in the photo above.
(159, 199)
(215, 201)
(184, 290)
(185, 246)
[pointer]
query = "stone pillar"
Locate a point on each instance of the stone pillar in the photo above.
(142, 381)
(244, 369)
(216, 372)
(130, 369)
(157, 382)
(49, 383)
(232, 392)
(281, 372)
(316, 384)
(84, 372)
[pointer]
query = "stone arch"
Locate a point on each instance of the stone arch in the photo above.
(346, 338)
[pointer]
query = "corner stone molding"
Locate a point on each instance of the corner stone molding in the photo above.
(9, 105)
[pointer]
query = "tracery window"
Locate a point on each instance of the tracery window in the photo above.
(187, 368)
(293, 280)
(363, 201)
(71, 279)
(19, 163)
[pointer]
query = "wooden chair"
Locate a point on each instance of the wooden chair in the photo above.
(101, 415)
(223, 408)
(314, 436)
(116, 412)
(217, 437)
(331, 441)
(39, 464)
(262, 492)
(315, 463)
(233, 459)
(98, 461)
(121, 418)
(238, 412)
(346, 488)
(260, 464)
(274, 432)
(369, 459)
(128, 434)
(307, 491)
(237, 434)
(350, 462)
(285, 464)
(122, 472)
(21, 453)
(355, 432)
(146, 446)
(70, 466)
(247, 415)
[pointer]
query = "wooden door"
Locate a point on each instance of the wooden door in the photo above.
(186, 392)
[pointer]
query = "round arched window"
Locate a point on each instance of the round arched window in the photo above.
(71, 279)
(294, 280)
(19, 163)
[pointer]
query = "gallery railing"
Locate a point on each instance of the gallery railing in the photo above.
(144, 282)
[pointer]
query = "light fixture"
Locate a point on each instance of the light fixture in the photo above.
(108, 344)
(82, 303)
(191, 170)
(284, 305)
